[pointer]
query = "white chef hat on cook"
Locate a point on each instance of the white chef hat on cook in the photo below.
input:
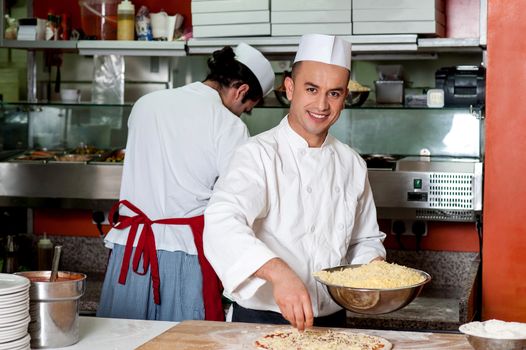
(258, 64)
(328, 49)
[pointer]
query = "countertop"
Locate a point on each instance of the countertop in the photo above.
(193, 335)
(116, 334)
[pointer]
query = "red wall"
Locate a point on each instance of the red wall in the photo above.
(504, 270)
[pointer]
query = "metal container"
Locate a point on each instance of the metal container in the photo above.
(372, 301)
(54, 308)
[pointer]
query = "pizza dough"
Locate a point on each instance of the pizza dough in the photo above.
(312, 339)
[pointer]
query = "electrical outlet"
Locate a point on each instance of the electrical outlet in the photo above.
(409, 227)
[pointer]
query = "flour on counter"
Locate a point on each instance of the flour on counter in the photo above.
(495, 329)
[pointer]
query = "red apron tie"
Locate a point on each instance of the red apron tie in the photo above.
(147, 250)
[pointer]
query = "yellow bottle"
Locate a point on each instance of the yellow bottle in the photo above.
(125, 21)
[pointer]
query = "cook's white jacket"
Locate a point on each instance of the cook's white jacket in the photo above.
(312, 207)
(179, 142)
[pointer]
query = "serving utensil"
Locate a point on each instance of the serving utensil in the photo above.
(54, 264)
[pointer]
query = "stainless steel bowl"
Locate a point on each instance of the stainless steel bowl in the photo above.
(486, 343)
(481, 343)
(373, 301)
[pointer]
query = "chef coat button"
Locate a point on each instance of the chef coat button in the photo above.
(312, 228)
(340, 226)
(309, 189)
(302, 152)
(337, 189)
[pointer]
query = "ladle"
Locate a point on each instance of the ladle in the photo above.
(54, 265)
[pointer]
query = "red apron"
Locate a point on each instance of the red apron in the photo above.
(147, 250)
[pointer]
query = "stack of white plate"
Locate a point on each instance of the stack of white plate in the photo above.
(14, 312)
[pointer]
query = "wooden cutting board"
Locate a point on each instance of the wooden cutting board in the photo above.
(197, 335)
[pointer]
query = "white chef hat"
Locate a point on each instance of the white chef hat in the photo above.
(324, 48)
(258, 64)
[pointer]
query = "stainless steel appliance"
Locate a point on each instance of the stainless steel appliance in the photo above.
(426, 188)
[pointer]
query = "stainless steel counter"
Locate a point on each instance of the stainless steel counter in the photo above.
(54, 184)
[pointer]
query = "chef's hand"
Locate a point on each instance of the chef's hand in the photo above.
(290, 293)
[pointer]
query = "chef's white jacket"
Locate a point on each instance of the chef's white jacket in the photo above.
(179, 142)
(311, 207)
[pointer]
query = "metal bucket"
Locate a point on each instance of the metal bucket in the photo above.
(54, 308)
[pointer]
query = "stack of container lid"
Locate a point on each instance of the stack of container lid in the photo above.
(298, 17)
(399, 17)
(14, 312)
(230, 18)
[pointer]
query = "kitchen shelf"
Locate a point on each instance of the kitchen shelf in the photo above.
(66, 45)
(65, 104)
(131, 48)
(388, 45)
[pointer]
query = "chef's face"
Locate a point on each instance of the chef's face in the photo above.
(234, 100)
(317, 94)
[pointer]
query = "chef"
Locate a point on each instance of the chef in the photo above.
(179, 142)
(293, 201)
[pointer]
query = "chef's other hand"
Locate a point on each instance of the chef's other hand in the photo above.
(290, 293)
(378, 258)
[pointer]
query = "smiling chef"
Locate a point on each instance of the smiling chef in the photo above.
(294, 200)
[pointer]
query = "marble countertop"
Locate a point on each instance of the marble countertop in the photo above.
(116, 334)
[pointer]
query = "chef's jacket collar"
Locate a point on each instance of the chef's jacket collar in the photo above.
(299, 142)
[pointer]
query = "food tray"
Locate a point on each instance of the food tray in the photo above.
(113, 157)
(36, 156)
(72, 158)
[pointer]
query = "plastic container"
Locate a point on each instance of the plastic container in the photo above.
(99, 19)
(44, 253)
(126, 21)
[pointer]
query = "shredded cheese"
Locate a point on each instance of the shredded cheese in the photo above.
(376, 274)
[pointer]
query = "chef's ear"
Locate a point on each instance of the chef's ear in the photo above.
(289, 87)
(242, 91)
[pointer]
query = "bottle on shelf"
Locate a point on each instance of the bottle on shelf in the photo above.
(44, 253)
(10, 259)
(125, 20)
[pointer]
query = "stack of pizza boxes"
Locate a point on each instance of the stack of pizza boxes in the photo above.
(425, 17)
(298, 17)
(230, 18)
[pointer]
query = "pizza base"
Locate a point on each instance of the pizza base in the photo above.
(313, 339)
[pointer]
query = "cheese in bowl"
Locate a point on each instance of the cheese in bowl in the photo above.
(375, 275)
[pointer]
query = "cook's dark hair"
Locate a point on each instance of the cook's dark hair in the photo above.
(229, 72)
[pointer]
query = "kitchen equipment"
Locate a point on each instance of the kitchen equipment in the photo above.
(372, 301)
(462, 85)
(481, 343)
(54, 308)
(54, 265)
(428, 188)
(99, 18)
(390, 86)
(356, 98)
(495, 335)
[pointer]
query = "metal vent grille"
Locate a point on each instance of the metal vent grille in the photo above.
(445, 215)
(451, 191)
